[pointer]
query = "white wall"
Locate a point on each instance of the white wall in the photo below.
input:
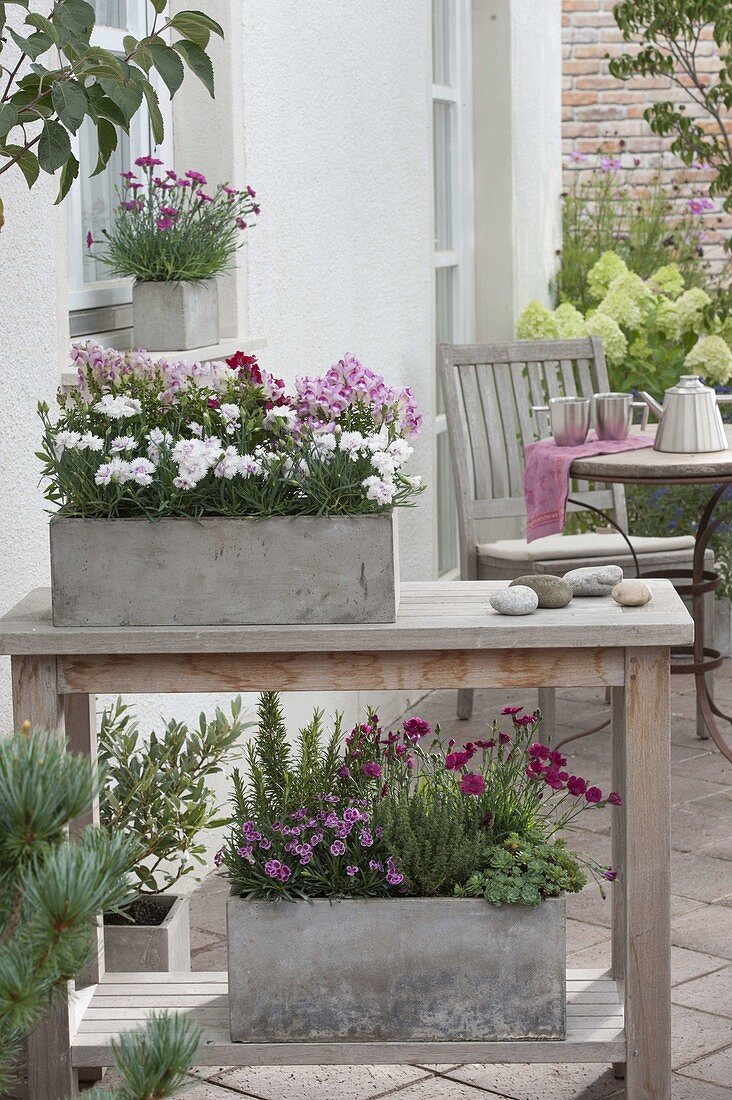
(517, 72)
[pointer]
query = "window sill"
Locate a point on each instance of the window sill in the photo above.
(222, 350)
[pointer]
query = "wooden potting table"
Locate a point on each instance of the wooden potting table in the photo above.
(446, 636)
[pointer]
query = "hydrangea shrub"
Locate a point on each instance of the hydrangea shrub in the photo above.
(140, 437)
(375, 814)
(653, 330)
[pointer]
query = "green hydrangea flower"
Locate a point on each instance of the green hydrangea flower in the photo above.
(690, 309)
(668, 280)
(607, 268)
(611, 334)
(570, 322)
(667, 318)
(627, 300)
(712, 358)
(536, 323)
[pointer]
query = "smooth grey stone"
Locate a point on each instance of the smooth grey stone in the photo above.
(632, 593)
(518, 600)
(552, 591)
(594, 580)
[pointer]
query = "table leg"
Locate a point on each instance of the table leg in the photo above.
(50, 1074)
(618, 838)
(81, 737)
(646, 874)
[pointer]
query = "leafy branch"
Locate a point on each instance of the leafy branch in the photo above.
(42, 104)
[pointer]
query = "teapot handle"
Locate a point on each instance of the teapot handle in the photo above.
(646, 412)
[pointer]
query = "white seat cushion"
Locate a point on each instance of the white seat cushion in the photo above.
(590, 545)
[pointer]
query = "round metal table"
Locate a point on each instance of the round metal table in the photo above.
(656, 468)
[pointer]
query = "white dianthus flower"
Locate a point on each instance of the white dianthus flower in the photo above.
(231, 413)
(118, 408)
(141, 471)
(325, 443)
(91, 442)
(384, 463)
(249, 466)
(400, 451)
(382, 491)
(66, 441)
(116, 470)
(379, 441)
(281, 416)
(123, 443)
(351, 442)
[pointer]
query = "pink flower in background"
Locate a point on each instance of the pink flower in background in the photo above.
(577, 156)
(164, 223)
(593, 795)
(614, 799)
(700, 205)
(203, 196)
(147, 162)
(89, 239)
(372, 770)
(610, 164)
(197, 177)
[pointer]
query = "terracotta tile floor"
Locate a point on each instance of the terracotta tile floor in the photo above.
(702, 935)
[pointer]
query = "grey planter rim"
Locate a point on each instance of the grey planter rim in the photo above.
(178, 901)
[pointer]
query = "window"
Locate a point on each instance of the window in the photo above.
(93, 295)
(453, 203)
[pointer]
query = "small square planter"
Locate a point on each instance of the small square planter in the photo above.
(152, 948)
(175, 316)
(396, 969)
(224, 572)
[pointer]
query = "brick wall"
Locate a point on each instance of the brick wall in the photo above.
(599, 111)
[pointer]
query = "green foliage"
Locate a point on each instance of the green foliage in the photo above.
(524, 871)
(652, 330)
(670, 34)
(604, 211)
(154, 1064)
(280, 777)
(156, 793)
(389, 815)
(436, 837)
(676, 510)
(79, 81)
(51, 889)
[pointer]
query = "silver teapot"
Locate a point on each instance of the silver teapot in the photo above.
(689, 419)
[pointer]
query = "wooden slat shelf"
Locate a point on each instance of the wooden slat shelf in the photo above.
(122, 1002)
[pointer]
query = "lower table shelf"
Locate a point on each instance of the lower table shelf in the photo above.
(122, 1002)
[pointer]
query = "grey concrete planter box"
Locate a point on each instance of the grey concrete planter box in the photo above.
(396, 969)
(175, 316)
(151, 948)
(224, 572)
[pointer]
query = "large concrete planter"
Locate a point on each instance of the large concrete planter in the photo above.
(224, 572)
(400, 969)
(175, 316)
(151, 948)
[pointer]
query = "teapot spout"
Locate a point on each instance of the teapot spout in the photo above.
(652, 404)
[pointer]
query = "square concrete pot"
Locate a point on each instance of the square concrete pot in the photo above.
(151, 948)
(175, 316)
(224, 572)
(395, 969)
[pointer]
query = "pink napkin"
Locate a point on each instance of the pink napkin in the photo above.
(546, 478)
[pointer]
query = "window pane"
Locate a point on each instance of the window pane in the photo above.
(442, 41)
(443, 157)
(98, 195)
(447, 539)
(111, 13)
(445, 313)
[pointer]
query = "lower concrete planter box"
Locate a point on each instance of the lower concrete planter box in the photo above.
(175, 316)
(225, 572)
(399, 969)
(155, 948)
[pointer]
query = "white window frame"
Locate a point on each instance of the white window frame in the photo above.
(460, 257)
(110, 292)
